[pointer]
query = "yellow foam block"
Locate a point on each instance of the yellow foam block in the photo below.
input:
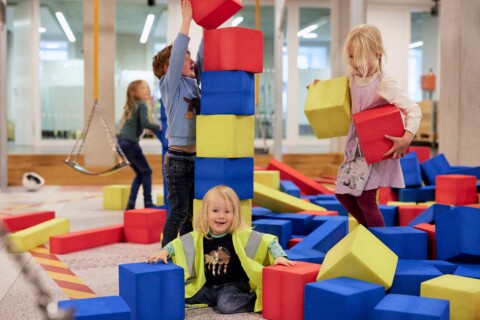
(352, 223)
(245, 207)
(428, 203)
(360, 255)
(327, 107)
(115, 197)
(399, 203)
(160, 200)
(225, 136)
(39, 234)
(462, 292)
(269, 178)
(279, 201)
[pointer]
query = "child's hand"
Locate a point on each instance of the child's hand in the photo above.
(158, 256)
(187, 12)
(284, 261)
(315, 81)
(400, 145)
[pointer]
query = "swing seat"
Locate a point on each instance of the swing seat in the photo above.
(107, 172)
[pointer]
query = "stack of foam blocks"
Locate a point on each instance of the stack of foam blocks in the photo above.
(225, 126)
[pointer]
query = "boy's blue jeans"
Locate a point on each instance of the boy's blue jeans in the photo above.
(233, 297)
(143, 172)
(179, 175)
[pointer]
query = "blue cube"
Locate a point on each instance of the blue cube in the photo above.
(405, 242)
(390, 214)
(305, 255)
(237, 173)
(153, 290)
(411, 170)
(280, 228)
(422, 194)
(261, 213)
(99, 308)
(401, 307)
(290, 188)
(228, 92)
(434, 166)
(301, 223)
(341, 299)
(410, 274)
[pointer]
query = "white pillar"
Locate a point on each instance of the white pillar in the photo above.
(277, 46)
(3, 96)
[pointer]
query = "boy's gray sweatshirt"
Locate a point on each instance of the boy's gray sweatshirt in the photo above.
(177, 92)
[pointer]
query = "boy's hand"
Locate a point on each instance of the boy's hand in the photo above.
(158, 256)
(284, 261)
(187, 12)
(315, 81)
(400, 145)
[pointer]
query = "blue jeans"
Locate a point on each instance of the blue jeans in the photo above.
(233, 297)
(179, 175)
(143, 172)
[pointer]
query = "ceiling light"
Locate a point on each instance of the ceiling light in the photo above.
(310, 35)
(415, 44)
(146, 28)
(42, 30)
(237, 21)
(66, 28)
(310, 28)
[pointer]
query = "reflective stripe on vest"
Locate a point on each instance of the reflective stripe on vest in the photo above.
(189, 249)
(252, 244)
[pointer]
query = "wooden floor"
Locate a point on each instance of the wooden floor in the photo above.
(56, 172)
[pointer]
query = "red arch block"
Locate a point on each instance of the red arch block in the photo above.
(210, 14)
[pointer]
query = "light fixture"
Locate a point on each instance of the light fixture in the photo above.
(66, 28)
(146, 28)
(415, 44)
(42, 30)
(237, 21)
(310, 35)
(310, 28)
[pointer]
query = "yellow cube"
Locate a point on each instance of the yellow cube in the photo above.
(462, 292)
(327, 107)
(160, 199)
(352, 223)
(225, 136)
(115, 197)
(279, 201)
(360, 255)
(39, 234)
(269, 178)
(245, 207)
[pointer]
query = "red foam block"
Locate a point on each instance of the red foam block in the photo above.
(432, 239)
(144, 225)
(233, 48)
(306, 184)
(456, 189)
(372, 125)
(87, 239)
(211, 14)
(423, 153)
(283, 289)
(292, 242)
(27, 220)
(408, 213)
(386, 194)
(318, 213)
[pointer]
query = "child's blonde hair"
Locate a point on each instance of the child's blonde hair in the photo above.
(131, 102)
(200, 222)
(365, 43)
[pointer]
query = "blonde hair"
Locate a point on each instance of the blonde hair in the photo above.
(365, 43)
(131, 102)
(200, 222)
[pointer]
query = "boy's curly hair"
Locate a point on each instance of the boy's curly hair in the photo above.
(160, 60)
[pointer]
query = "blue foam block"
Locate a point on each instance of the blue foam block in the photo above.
(290, 188)
(309, 197)
(468, 270)
(458, 238)
(422, 194)
(261, 213)
(237, 173)
(410, 274)
(444, 267)
(434, 166)
(390, 214)
(280, 228)
(333, 205)
(319, 220)
(153, 290)
(405, 242)
(411, 170)
(341, 298)
(401, 307)
(301, 223)
(325, 197)
(430, 214)
(99, 308)
(228, 92)
(468, 171)
(324, 237)
(305, 255)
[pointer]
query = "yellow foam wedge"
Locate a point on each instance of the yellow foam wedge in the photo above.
(32, 237)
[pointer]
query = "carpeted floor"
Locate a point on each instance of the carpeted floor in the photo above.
(98, 267)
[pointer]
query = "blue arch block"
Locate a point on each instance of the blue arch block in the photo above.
(99, 308)
(400, 307)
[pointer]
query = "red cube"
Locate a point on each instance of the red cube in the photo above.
(408, 213)
(423, 153)
(233, 49)
(456, 189)
(210, 14)
(386, 194)
(144, 225)
(372, 125)
(283, 289)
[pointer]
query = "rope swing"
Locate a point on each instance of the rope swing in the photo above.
(78, 147)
